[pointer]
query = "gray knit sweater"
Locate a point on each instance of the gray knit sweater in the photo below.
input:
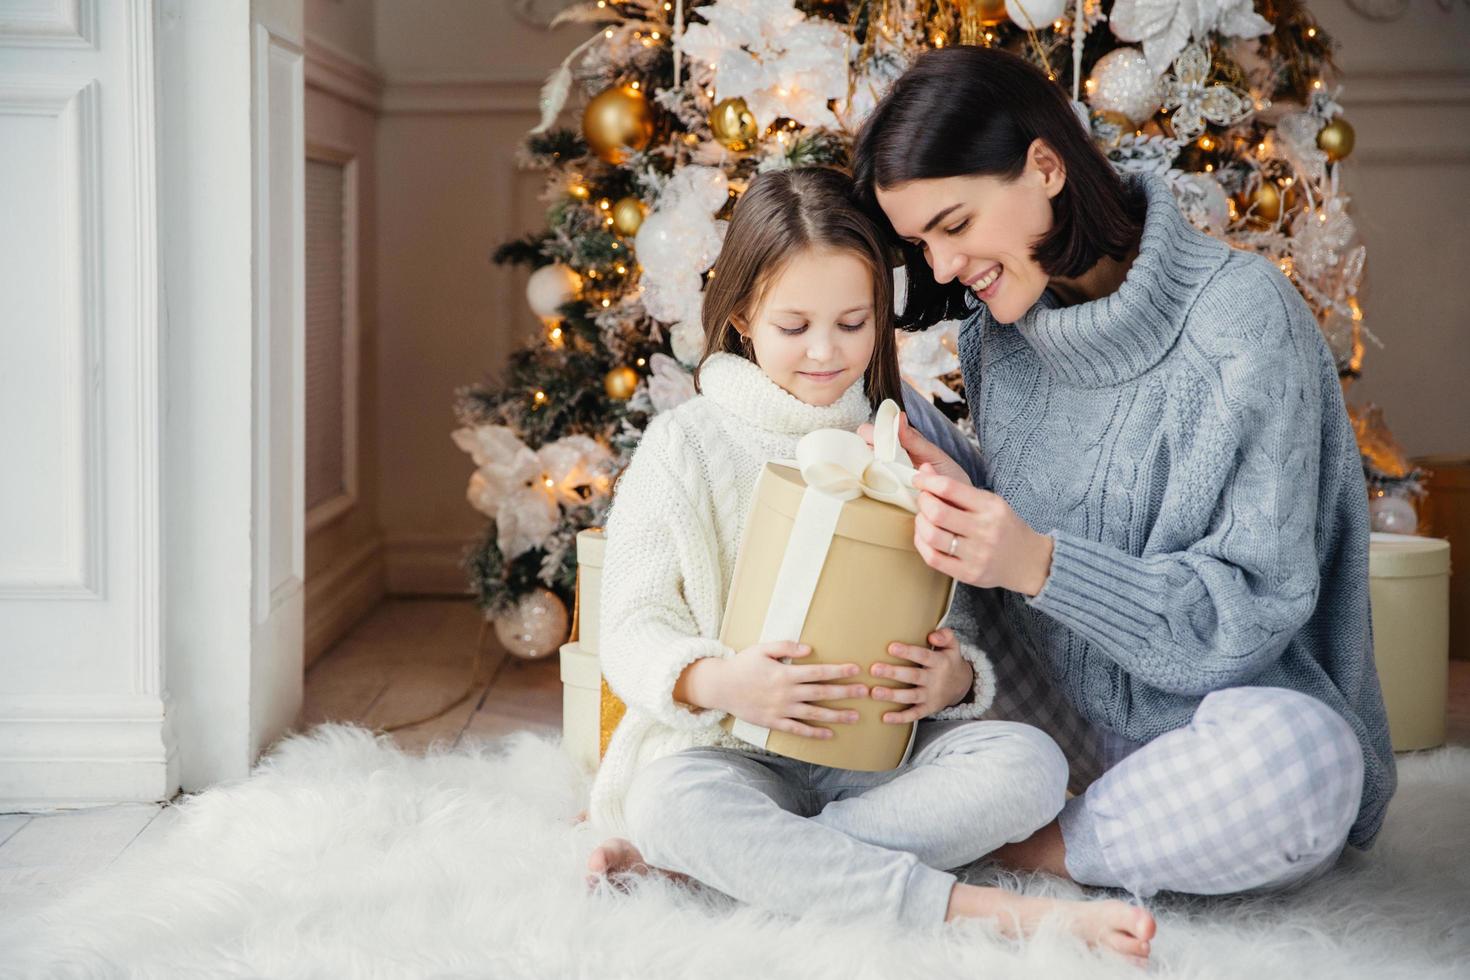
(1185, 443)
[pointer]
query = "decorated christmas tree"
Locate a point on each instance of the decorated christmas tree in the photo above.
(1234, 105)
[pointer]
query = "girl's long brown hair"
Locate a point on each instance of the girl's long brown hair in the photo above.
(781, 213)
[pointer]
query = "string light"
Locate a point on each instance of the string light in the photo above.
(606, 303)
(1311, 32)
(539, 397)
(607, 33)
(635, 86)
(641, 362)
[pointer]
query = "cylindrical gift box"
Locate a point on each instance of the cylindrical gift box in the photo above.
(1445, 513)
(591, 545)
(873, 589)
(581, 701)
(1409, 584)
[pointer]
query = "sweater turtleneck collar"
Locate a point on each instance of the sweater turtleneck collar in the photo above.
(1120, 336)
(740, 387)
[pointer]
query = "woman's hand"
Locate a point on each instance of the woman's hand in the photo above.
(942, 678)
(974, 536)
(755, 686)
(920, 450)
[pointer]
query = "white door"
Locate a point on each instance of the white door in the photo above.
(151, 400)
(279, 436)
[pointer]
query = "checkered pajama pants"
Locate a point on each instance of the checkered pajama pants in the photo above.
(1257, 793)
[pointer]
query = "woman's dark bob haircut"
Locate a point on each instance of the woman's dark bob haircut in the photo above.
(972, 111)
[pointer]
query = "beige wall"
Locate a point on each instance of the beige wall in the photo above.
(461, 82)
(463, 79)
(1407, 94)
(344, 544)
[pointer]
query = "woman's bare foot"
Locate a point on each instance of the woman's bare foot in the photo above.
(617, 856)
(1117, 926)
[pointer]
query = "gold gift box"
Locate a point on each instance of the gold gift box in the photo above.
(874, 589)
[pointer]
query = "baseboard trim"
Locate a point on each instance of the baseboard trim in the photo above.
(340, 596)
(71, 751)
(426, 565)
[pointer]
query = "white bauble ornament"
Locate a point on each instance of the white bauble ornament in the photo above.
(1393, 514)
(1123, 82)
(1204, 202)
(1033, 15)
(687, 339)
(550, 287)
(534, 627)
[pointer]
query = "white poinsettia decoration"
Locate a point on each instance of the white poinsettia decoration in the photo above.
(1164, 27)
(771, 55)
(1193, 101)
(925, 357)
(523, 490)
(679, 241)
(669, 384)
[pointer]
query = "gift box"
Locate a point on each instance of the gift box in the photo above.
(1408, 580)
(828, 558)
(590, 711)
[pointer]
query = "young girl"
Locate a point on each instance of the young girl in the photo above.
(798, 336)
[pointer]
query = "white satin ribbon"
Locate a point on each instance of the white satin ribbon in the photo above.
(840, 464)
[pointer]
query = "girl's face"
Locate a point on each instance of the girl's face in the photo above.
(813, 333)
(981, 229)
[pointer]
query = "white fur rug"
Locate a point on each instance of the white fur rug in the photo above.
(342, 857)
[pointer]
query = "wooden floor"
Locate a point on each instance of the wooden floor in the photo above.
(405, 660)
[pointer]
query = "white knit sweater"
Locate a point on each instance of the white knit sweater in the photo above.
(672, 538)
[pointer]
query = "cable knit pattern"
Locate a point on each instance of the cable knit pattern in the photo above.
(1184, 441)
(673, 534)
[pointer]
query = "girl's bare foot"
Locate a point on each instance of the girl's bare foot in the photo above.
(1117, 926)
(617, 856)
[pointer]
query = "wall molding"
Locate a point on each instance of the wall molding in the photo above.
(426, 565)
(1390, 87)
(68, 24)
(340, 595)
(334, 71)
(76, 570)
(84, 750)
(421, 95)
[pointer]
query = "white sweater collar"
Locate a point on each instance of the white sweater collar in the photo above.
(740, 387)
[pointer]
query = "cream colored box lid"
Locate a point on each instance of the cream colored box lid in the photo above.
(1406, 556)
(591, 544)
(578, 667)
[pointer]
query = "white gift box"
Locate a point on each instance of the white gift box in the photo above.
(1409, 580)
(583, 733)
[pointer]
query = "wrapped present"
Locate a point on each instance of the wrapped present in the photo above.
(828, 559)
(589, 709)
(1409, 585)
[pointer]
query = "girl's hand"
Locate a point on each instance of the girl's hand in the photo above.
(942, 678)
(974, 536)
(755, 686)
(920, 450)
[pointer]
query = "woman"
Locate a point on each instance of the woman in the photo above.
(1167, 522)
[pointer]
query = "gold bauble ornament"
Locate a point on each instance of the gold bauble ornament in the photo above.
(620, 383)
(1267, 201)
(615, 119)
(627, 215)
(733, 124)
(1336, 139)
(989, 12)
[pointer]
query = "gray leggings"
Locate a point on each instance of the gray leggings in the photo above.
(802, 839)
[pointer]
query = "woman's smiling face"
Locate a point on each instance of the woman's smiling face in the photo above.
(980, 230)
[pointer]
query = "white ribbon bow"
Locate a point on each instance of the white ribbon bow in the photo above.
(840, 464)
